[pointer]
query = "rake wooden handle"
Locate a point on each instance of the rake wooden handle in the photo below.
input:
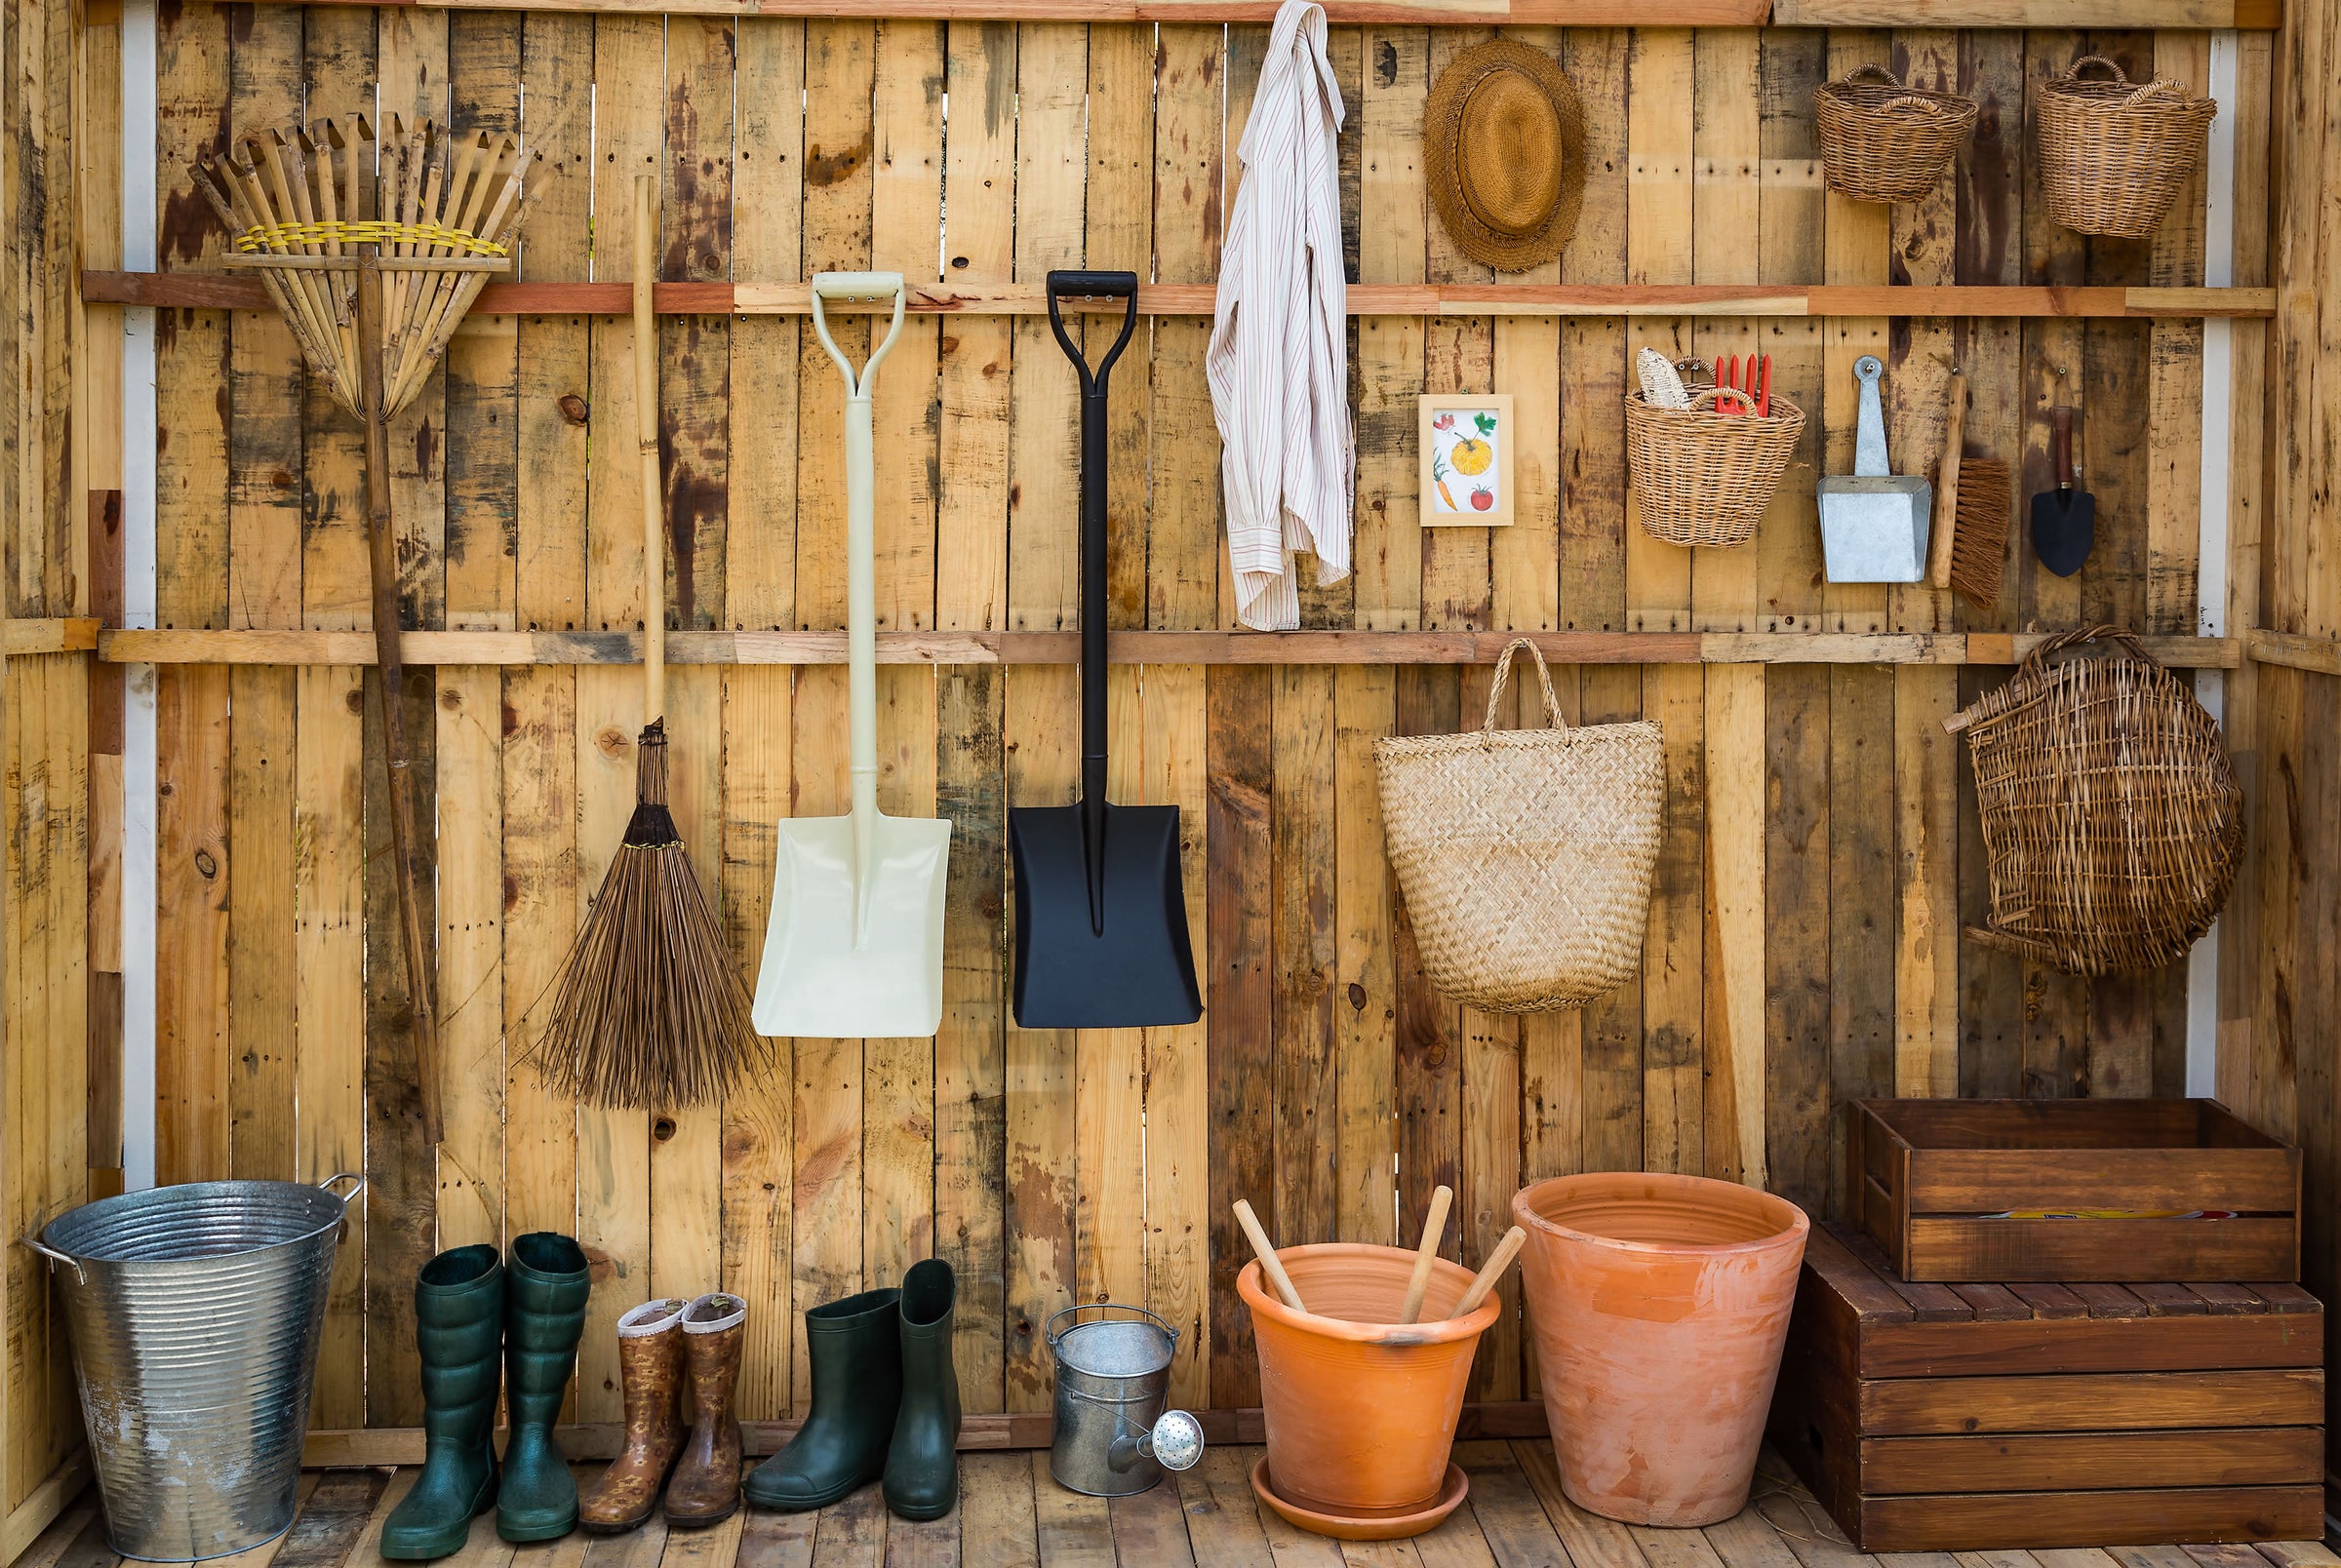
(1426, 1253)
(645, 429)
(1266, 1252)
(1491, 1272)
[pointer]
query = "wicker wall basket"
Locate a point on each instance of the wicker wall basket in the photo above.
(1705, 478)
(2112, 816)
(1882, 142)
(1525, 854)
(2115, 155)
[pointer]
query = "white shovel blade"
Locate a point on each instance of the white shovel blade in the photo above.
(817, 980)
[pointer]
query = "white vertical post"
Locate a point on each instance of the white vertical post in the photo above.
(138, 845)
(2210, 552)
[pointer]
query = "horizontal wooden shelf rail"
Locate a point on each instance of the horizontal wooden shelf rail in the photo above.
(174, 646)
(2320, 655)
(2189, 14)
(368, 1446)
(219, 291)
(76, 634)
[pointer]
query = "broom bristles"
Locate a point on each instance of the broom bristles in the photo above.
(1979, 530)
(648, 1011)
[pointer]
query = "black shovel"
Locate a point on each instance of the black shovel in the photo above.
(1101, 910)
(2064, 520)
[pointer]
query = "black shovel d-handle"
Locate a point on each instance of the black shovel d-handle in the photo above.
(1101, 906)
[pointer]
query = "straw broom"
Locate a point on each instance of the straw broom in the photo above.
(648, 1011)
(373, 264)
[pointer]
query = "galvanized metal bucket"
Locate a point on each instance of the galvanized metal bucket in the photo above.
(1113, 1377)
(196, 1313)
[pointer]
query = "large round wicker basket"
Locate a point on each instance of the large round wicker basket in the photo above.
(2112, 816)
(2115, 155)
(1525, 855)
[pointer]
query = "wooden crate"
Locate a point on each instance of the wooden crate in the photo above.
(1929, 1417)
(1927, 1176)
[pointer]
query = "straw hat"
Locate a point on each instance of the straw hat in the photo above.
(1503, 144)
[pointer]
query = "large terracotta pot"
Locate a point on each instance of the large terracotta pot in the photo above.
(1659, 1305)
(1361, 1411)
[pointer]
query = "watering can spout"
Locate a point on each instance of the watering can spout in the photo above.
(1175, 1442)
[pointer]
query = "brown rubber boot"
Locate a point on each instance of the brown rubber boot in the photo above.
(706, 1483)
(650, 1359)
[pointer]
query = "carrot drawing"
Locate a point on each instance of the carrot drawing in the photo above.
(1439, 472)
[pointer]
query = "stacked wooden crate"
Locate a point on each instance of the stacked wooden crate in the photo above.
(1968, 1414)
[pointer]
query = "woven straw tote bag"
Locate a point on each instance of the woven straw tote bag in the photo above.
(1524, 854)
(2112, 815)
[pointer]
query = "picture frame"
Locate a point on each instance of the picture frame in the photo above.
(1466, 443)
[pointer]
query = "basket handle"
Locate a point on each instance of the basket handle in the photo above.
(1503, 672)
(1704, 399)
(2080, 634)
(1911, 101)
(1872, 69)
(2159, 87)
(2074, 70)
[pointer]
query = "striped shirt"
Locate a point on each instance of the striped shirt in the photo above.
(1279, 360)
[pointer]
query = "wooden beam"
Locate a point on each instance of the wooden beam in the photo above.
(367, 1446)
(2294, 650)
(174, 646)
(75, 634)
(212, 290)
(2077, 13)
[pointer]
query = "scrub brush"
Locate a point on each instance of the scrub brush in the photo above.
(1971, 499)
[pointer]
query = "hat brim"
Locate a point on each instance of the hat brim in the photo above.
(1442, 132)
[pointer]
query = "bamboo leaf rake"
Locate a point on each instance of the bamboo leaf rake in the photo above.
(373, 253)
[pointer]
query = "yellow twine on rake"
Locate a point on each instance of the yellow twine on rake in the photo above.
(270, 236)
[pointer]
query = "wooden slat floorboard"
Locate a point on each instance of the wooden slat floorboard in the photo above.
(1012, 1514)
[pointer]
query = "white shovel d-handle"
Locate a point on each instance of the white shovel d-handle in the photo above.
(862, 572)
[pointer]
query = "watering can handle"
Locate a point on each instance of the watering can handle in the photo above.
(55, 1256)
(862, 614)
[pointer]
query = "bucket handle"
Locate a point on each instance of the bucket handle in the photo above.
(1051, 1333)
(55, 1256)
(357, 1176)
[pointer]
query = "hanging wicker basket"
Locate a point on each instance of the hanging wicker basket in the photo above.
(2113, 154)
(2112, 816)
(1525, 855)
(1705, 478)
(1882, 142)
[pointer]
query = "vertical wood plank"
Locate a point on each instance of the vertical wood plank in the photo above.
(1239, 1001)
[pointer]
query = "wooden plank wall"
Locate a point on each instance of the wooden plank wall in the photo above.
(2279, 1055)
(1822, 848)
(45, 711)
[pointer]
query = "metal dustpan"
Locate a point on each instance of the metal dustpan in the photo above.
(1101, 912)
(854, 946)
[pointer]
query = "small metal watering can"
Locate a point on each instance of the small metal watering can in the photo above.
(1113, 1377)
(1874, 524)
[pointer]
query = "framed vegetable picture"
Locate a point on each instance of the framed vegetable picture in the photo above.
(1466, 459)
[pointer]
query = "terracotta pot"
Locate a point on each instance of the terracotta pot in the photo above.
(1659, 1305)
(1361, 1410)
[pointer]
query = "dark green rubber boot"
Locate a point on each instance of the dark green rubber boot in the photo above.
(545, 1317)
(459, 1330)
(921, 1463)
(856, 1350)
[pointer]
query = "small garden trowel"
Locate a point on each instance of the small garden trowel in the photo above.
(2064, 520)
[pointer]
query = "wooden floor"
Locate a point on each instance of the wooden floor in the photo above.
(1011, 1516)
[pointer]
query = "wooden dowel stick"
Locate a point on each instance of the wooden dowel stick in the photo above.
(1269, 1266)
(1426, 1253)
(1494, 1270)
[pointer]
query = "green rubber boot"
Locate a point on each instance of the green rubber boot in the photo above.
(921, 1463)
(545, 1317)
(459, 1330)
(854, 1348)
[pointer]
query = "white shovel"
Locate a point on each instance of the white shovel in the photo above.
(855, 942)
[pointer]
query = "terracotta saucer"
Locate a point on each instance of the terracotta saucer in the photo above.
(1393, 1527)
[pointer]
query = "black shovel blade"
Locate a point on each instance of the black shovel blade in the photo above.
(2064, 525)
(1139, 970)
